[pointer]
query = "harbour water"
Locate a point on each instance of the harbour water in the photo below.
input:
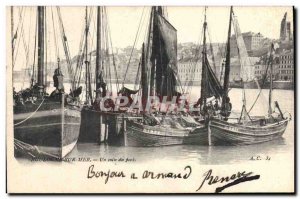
(208, 154)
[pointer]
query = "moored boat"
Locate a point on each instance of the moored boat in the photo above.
(51, 127)
(247, 129)
(101, 126)
(257, 131)
(139, 134)
(252, 84)
(159, 79)
(286, 85)
(255, 84)
(101, 122)
(45, 125)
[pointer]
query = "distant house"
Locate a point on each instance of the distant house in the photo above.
(286, 66)
(253, 41)
(235, 68)
(261, 68)
(189, 70)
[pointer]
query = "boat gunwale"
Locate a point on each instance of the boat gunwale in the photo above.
(251, 127)
(254, 132)
(181, 132)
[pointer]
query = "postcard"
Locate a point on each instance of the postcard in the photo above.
(150, 100)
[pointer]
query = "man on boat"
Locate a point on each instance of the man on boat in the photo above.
(216, 106)
(101, 85)
(73, 97)
(227, 106)
(58, 79)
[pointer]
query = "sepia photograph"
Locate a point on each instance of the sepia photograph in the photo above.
(150, 99)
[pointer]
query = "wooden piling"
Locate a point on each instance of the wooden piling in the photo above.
(209, 134)
(100, 129)
(106, 130)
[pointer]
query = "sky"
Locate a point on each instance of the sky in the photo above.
(124, 22)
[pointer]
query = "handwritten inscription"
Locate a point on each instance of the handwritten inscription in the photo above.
(92, 173)
(235, 178)
(104, 174)
(208, 177)
(185, 175)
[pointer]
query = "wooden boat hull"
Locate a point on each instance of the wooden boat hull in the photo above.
(99, 126)
(253, 84)
(224, 133)
(250, 84)
(138, 135)
(52, 130)
(285, 85)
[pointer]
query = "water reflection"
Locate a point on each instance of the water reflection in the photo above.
(198, 154)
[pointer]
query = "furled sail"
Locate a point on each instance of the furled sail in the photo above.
(213, 86)
(127, 92)
(210, 86)
(164, 56)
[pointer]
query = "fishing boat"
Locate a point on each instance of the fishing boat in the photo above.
(99, 125)
(263, 83)
(282, 84)
(246, 129)
(211, 89)
(139, 134)
(154, 126)
(252, 84)
(45, 125)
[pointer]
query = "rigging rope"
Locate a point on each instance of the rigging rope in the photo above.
(30, 114)
(113, 56)
(26, 46)
(65, 45)
(212, 52)
(79, 59)
(31, 150)
(81, 53)
(54, 36)
(192, 65)
(34, 53)
(19, 39)
(107, 50)
(134, 43)
(88, 69)
(15, 35)
(263, 83)
(137, 79)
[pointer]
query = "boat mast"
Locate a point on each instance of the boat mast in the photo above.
(12, 34)
(86, 55)
(227, 62)
(149, 43)
(40, 82)
(271, 80)
(153, 65)
(98, 52)
(225, 99)
(46, 52)
(203, 78)
(144, 80)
